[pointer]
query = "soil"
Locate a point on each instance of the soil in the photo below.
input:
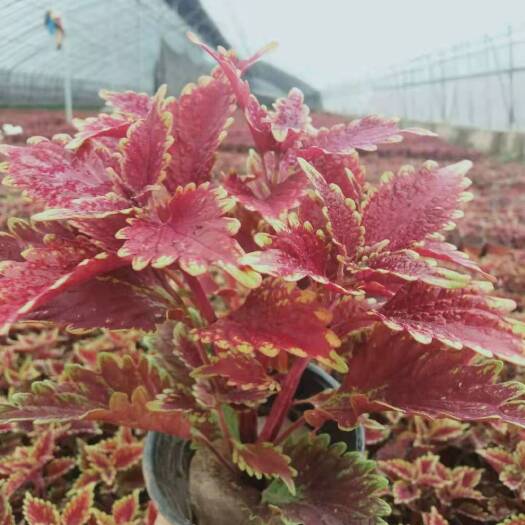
(218, 496)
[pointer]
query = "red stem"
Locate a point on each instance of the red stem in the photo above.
(284, 401)
(200, 299)
(248, 425)
(290, 430)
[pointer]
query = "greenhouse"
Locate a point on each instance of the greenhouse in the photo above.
(262, 263)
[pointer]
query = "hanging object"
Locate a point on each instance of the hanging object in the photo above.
(54, 25)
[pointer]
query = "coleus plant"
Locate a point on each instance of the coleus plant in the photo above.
(241, 280)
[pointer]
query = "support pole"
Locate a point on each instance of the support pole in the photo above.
(68, 97)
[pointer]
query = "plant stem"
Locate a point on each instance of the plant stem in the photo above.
(298, 423)
(224, 429)
(200, 299)
(284, 400)
(248, 425)
(201, 437)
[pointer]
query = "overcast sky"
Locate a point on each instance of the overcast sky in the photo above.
(330, 42)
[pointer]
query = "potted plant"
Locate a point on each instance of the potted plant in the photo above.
(242, 282)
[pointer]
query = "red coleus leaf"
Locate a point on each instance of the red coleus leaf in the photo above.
(271, 201)
(364, 133)
(256, 115)
(293, 253)
(435, 382)
(461, 485)
(276, 317)
(97, 127)
(323, 498)
(398, 469)
(45, 170)
(508, 465)
(375, 432)
(457, 318)
(411, 205)
(78, 509)
(200, 118)
(129, 103)
(290, 116)
(58, 467)
(151, 514)
(344, 221)
(392, 268)
(125, 509)
(497, 458)
(145, 152)
(24, 463)
(264, 460)
(343, 170)
(190, 228)
(117, 391)
(239, 370)
(438, 431)
(132, 305)
(40, 512)
(444, 251)
(49, 270)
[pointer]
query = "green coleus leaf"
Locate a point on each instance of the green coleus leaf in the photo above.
(333, 487)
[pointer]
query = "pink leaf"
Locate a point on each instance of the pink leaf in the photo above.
(411, 205)
(391, 371)
(130, 103)
(457, 318)
(363, 134)
(293, 253)
(279, 198)
(344, 222)
(276, 317)
(145, 152)
(47, 171)
(290, 116)
(200, 118)
(189, 228)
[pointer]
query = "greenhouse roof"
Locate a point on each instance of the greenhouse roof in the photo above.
(111, 43)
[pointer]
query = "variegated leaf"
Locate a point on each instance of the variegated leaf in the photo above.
(264, 460)
(278, 317)
(117, 392)
(435, 382)
(365, 133)
(200, 118)
(45, 170)
(457, 318)
(144, 155)
(322, 498)
(344, 221)
(412, 205)
(189, 228)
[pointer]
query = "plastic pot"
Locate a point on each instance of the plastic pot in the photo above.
(166, 460)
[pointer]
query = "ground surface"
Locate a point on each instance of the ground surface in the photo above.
(447, 470)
